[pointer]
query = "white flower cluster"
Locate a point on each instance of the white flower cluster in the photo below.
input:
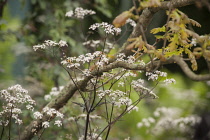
(146, 122)
(75, 62)
(92, 136)
(169, 118)
(169, 112)
(38, 115)
(53, 93)
(50, 43)
(183, 124)
(80, 13)
(107, 75)
(92, 43)
(169, 81)
(102, 93)
(97, 43)
(108, 28)
(154, 75)
(50, 112)
(126, 75)
(121, 84)
(45, 124)
(121, 57)
(129, 59)
(12, 100)
(132, 107)
(138, 87)
(131, 22)
(117, 98)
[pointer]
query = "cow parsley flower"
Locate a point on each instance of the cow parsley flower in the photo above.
(46, 124)
(62, 43)
(50, 43)
(166, 119)
(36, 47)
(69, 13)
(18, 121)
(30, 107)
(13, 100)
(80, 13)
(38, 115)
(146, 122)
(58, 123)
(60, 115)
(92, 43)
(121, 84)
(53, 93)
(169, 81)
(131, 59)
(154, 75)
(120, 57)
(131, 108)
(108, 28)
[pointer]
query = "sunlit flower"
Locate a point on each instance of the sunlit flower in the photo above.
(38, 115)
(169, 81)
(108, 28)
(62, 43)
(45, 124)
(80, 13)
(58, 123)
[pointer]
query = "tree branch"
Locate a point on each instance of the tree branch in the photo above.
(183, 65)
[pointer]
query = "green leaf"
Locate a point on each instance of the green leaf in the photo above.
(159, 36)
(157, 30)
(174, 42)
(42, 4)
(177, 52)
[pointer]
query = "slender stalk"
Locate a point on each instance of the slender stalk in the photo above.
(2, 133)
(94, 96)
(109, 128)
(10, 124)
(18, 132)
(86, 125)
(41, 134)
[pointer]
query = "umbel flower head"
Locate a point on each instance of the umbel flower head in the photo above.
(13, 99)
(80, 13)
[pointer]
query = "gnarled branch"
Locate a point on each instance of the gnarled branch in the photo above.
(185, 68)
